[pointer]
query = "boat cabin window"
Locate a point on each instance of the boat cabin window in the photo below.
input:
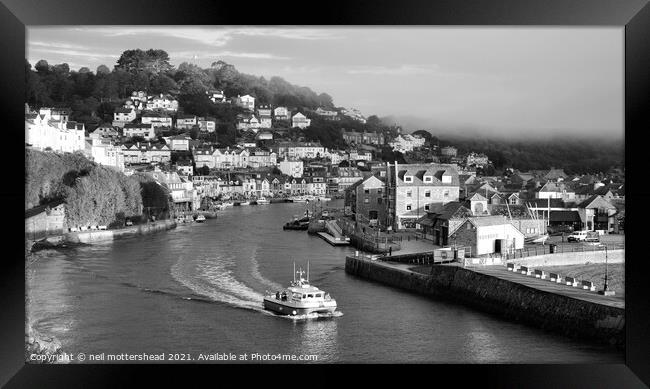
(318, 295)
(304, 296)
(310, 295)
(297, 295)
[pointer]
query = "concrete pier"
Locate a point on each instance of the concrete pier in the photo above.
(108, 235)
(561, 313)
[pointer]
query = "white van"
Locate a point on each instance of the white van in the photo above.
(583, 236)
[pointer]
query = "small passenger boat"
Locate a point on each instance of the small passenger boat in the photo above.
(299, 298)
(263, 201)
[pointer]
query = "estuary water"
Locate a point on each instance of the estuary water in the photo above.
(198, 289)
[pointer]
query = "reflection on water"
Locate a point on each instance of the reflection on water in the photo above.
(318, 337)
(199, 289)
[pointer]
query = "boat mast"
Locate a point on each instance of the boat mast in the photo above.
(307, 270)
(294, 271)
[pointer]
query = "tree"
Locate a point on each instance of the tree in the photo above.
(102, 69)
(162, 83)
(194, 133)
(150, 62)
(325, 101)
(42, 66)
(203, 171)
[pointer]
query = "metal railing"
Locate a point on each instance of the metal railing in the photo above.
(558, 249)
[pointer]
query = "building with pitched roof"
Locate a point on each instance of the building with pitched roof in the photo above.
(555, 190)
(44, 132)
(162, 102)
(207, 124)
(104, 152)
(485, 235)
(281, 113)
(406, 142)
(596, 213)
(246, 101)
(291, 167)
(141, 152)
(261, 158)
(299, 120)
(157, 119)
(145, 130)
(186, 122)
(328, 115)
(414, 188)
(216, 96)
(121, 116)
(367, 199)
(179, 142)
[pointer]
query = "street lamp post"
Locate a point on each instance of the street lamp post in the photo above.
(606, 291)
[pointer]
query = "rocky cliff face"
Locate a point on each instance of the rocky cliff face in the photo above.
(40, 345)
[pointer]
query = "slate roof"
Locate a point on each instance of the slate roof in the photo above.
(590, 200)
(485, 221)
(138, 125)
(418, 171)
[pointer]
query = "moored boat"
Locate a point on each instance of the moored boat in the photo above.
(263, 201)
(200, 219)
(299, 298)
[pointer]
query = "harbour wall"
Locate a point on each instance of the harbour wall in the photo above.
(108, 235)
(572, 258)
(512, 301)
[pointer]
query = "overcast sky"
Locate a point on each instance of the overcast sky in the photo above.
(504, 80)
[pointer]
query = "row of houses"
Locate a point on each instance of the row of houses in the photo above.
(257, 185)
(140, 101)
(427, 197)
(124, 118)
(51, 129)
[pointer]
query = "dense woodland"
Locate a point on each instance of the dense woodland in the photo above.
(574, 155)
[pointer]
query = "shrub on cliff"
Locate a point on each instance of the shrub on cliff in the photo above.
(94, 194)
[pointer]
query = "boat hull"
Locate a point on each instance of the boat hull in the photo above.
(278, 307)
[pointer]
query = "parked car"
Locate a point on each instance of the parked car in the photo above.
(129, 223)
(584, 236)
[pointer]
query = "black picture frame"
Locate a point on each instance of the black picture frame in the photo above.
(634, 15)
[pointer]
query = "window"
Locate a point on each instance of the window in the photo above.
(469, 226)
(408, 207)
(366, 201)
(446, 179)
(427, 193)
(426, 207)
(379, 200)
(446, 194)
(408, 178)
(366, 191)
(408, 193)
(427, 179)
